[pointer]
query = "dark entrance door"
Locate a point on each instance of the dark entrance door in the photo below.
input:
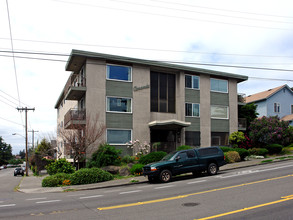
(166, 138)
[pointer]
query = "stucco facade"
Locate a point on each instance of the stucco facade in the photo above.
(156, 102)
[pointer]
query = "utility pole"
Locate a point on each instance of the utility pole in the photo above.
(26, 151)
(33, 137)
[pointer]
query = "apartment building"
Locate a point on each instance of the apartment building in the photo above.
(149, 101)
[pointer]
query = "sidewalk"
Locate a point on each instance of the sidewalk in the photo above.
(33, 184)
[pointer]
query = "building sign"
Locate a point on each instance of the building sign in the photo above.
(137, 88)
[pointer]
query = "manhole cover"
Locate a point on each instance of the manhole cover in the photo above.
(190, 204)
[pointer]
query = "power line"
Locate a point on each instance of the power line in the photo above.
(7, 104)
(172, 16)
(11, 97)
(11, 121)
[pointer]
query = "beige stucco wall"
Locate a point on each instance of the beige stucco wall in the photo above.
(205, 111)
(233, 106)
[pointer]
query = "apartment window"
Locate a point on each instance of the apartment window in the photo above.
(220, 112)
(219, 138)
(122, 73)
(162, 92)
(277, 107)
(192, 138)
(118, 136)
(192, 109)
(291, 109)
(191, 82)
(219, 85)
(115, 104)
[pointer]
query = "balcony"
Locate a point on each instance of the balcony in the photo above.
(75, 118)
(75, 88)
(242, 125)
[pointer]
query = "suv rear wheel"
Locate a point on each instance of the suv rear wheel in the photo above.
(165, 176)
(212, 169)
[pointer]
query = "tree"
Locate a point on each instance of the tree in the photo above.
(22, 154)
(270, 130)
(5, 152)
(83, 139)
(248, 112)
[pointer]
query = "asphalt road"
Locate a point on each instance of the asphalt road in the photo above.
(260, 192)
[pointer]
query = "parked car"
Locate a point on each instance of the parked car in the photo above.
(207, 159)
(18, 171)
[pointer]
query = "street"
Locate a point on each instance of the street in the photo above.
(258, 192)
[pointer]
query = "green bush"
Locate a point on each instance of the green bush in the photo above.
(183, 147)
(60, 166)
(89, 175)
(258, 151)
(236, 138)
(136, 169)
(152, 157)
(232, 157)
(226, 149)
(274, 148)
(242, 152)
(104, 156)
(128, 159)
(55, 180)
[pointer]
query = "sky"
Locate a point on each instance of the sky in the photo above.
(247, 37)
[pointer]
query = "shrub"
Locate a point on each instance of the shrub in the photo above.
(183, 147)
(90, 175)
(232, 156)
(236, 138)
(258, 151)
(226, 149)
(136, 169)
(128, 159)
(104, 156)
(59, 166)
(274, 148)
(152, 157)
(55, 180)
(242, 152)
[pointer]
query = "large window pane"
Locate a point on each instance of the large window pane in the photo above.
(188, 109)
(195, 110)
(219, 112)
(118, 136)
(119, 72)
(219, 85)
(118, 104)
(192, 109)
(188, 81)
(192, 138)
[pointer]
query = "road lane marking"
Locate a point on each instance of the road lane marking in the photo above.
(284, 199)
(76, 195)
(88, 197)
(199, 181)
(162, 187)
(49, 201)
(134, 191)
(1, 206)
(32, 199)
(191, 194)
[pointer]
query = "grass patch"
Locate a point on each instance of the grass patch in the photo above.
(267, 161)
(134, 181)
(69, 190)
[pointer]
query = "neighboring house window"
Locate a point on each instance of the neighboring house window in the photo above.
(192, 138)
(277, 107)
(192, 109)
(219, 85)
(115, 104)
(122, 73)
(220, 112)
(118, 136)
(162, 92)
(191, 82)
(291, 109)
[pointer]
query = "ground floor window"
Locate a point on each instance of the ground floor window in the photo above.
(192, 138)
(219, 138)
(118, 136)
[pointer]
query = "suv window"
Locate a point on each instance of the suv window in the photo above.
(190, 154)
(183, 156)
(208, 151)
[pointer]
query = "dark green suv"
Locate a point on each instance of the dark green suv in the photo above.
(194, 160)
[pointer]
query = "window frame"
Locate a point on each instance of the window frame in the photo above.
(118, 98)
(225, 80)
(118, 129)
(119, 80)
(192, 108)
(221, 106)
(277, 106)
(192, 85)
